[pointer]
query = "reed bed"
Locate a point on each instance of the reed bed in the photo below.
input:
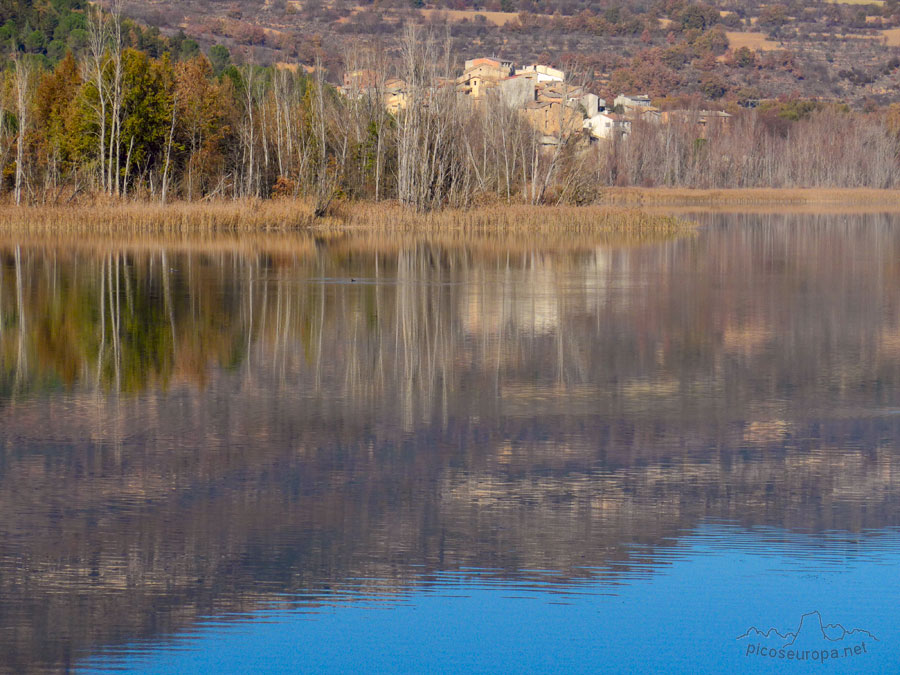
(513, 218)
(178, 217)
(289, 246)
(819, 197)
(298, 214)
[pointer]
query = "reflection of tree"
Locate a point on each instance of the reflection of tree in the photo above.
(112, 316)
(288, 429)
(21, 321)
(787, 322)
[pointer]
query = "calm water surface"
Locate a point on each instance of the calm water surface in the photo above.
(433, 455)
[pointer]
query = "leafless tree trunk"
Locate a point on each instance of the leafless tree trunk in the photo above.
(98, 37)
(165, 177)
(431, 154)
(127, 168)
(24, 91)
(249, 135)
(327, 178)
(116, 93)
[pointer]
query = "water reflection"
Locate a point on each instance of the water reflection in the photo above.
(673, 612)
(190, 430)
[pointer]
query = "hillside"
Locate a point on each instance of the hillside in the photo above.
(725, 51)
(731, 51)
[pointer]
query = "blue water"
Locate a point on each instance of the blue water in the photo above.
(683, 614)
(486, 456)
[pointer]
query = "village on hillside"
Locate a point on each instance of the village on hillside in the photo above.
(552, 104)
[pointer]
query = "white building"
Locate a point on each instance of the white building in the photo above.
(591, 104)
(606, 125)
(544, 73)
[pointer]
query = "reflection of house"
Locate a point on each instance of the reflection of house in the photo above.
(606, 126)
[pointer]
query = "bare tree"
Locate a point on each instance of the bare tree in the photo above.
(165, 176)
(328, 173)
(431, 158)
(24, 95)
(95, 67)
(116, 94)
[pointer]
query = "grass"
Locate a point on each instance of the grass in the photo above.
(511, 218)
(758, 41)
(495, 18)
(248, 215)
(290, 215)
(892, 37)
(286, 230)
(624, 213)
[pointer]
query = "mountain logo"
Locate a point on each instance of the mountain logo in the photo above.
(832, 632)
(812, 640)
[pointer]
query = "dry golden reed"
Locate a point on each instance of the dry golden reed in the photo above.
(288, 228)
(297, 214)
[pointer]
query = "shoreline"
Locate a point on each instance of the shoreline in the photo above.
(630, 210)
(757, 197)
(291, 215)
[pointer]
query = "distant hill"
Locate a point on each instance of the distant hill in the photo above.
(726, 50)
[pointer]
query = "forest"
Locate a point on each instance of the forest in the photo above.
(131, 114)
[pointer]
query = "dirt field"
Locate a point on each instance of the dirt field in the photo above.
(892, 35)
(496, 18)
(757, 41)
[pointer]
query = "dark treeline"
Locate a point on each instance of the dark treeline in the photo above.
(120, 121)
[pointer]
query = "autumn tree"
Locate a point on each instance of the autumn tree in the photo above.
(56, 114)
(201, 111)
(147, 100)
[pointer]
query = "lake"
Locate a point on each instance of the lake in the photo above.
(359, 453)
